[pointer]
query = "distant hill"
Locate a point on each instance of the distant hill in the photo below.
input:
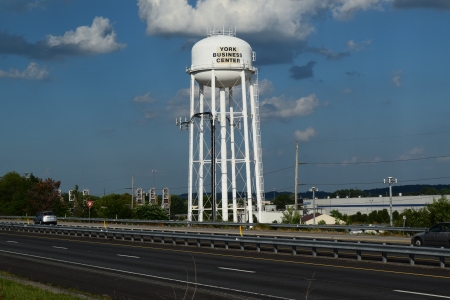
(404, 189)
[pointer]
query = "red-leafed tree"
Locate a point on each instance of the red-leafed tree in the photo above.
(44, 195)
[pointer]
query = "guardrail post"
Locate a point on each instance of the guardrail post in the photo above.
(174, 241)
(358, 255)
(242, 245)
(226, 245)
(212, 244)
(314, 250)
(294, 250)
(186, 242)
(198, 243)
(335, 251)
(411, 259)
(162, 240)
(442, 261)
(132, 237)
(384, 257)
(152, 239)
(275, 248)
(123, 236)
(258, 247)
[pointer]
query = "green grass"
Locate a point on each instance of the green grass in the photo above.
(12, 290)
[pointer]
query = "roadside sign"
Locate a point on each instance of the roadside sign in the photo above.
(90, 203)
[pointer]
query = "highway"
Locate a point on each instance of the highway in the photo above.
(126, 270)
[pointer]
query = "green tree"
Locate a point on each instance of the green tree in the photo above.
(282, 200)
(114, 205)
(178, 205)
(290, 216)
(150, 212)
(322, 222)
(430, 214)
(351, 193)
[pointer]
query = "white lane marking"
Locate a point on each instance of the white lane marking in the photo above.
(60, 247)
(146, 275)
(130, 256)
(12, 242)
(237, 270)
(423, 294)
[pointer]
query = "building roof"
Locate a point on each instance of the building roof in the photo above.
(308, 217)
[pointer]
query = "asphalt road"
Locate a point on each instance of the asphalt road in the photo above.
(126, 270)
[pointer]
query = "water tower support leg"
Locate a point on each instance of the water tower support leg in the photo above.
(247, 148)
(223, 153)
(191, 150)
(233, 156)
(201, 159)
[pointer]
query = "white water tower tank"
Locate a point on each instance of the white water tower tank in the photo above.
(227, 55)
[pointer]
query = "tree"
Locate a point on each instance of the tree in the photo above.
(178, 206)
(114, 205)
(430, 214)
(351, 193)
(44, 195)
(290, 216)
(150, 212)
(282, 200)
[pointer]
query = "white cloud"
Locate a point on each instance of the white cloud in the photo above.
(397, 79)
(357, 159)
(347, 91)
(178, 106)
(33, 71)
(147, 98)
(277, 20)
(352, 45)
(148, 107)
(413, 153)
(265, 87)
(352, 160)
(151, 114)
(98, 38)
(305, 135)
(278, 107)
(444, 159)
(344, 9)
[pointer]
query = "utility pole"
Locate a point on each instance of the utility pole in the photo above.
(296, 177)
(132, 191)
(390, 181)
(313, 190)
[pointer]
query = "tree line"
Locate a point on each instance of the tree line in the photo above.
(28, 195)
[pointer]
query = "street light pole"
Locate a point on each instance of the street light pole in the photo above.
(390, 181)
(313, 190)
(273, 190)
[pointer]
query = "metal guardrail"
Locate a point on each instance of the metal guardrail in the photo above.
(241, 241)
(347, 228)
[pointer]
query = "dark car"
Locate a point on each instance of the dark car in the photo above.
(436, 236)
(45, 217)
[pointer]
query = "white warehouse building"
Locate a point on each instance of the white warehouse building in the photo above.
(351, 206)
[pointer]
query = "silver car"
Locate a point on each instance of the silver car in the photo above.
(436, 236)
(45, 217)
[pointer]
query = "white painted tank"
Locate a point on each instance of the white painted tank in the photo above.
(227, 55)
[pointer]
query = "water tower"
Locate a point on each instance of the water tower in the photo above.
(225, 168)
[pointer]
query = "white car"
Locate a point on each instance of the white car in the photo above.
(46, 217)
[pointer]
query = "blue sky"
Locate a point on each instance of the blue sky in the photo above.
(89, 89)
